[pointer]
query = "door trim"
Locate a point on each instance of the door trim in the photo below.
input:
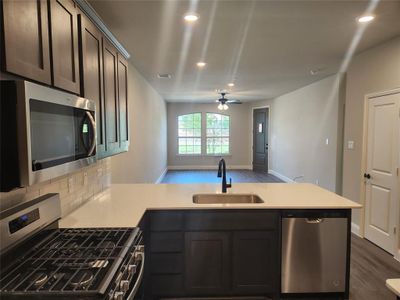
(269, 134)
(367, 97)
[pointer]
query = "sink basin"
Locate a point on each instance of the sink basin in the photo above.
(226, 199)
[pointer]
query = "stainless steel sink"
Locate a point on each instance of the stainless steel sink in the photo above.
(226, 199)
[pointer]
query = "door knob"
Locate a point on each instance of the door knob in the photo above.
(366, 175)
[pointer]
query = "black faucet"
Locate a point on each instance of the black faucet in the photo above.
(222, 173)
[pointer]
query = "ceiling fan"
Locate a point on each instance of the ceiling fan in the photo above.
(223, 102)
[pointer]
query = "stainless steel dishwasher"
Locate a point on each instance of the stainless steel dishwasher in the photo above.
(314, 252)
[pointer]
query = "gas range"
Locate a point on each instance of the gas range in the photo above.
(49, 262)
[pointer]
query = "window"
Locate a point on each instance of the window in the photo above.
(189, 134)
(217, 134)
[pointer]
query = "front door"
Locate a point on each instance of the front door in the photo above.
(260, 139)
(382, 177)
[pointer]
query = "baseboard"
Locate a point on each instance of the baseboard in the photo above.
(161, 177)
(280, 176)
(210, 167)
(355, 228)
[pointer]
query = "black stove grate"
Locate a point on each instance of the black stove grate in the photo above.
(70, 260)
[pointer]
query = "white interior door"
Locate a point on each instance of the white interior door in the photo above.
(382, 181)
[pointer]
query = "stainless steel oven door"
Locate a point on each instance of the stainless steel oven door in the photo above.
(57, 132)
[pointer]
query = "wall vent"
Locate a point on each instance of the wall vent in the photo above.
(166, 76)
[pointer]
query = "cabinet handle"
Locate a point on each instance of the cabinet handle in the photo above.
(314, 220)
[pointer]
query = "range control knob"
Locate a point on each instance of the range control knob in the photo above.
(118, 296)
(132, 269)
(124, 285)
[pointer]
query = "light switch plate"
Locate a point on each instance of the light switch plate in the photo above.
(350, 145)
(326, 141)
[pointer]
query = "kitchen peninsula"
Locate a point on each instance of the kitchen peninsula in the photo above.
(232, 249)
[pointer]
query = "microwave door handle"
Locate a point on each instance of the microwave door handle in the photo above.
(93, 124)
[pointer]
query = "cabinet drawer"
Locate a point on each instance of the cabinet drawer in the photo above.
(167, 285)
(166, 263)
(231, 220)
(166, 221)
(166, 242)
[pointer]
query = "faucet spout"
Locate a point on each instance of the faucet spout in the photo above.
(222, 173)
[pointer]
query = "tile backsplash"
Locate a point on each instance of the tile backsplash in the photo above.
(75, 189)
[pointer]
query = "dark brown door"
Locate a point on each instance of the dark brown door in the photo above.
(92, 74)
(260, 139)
(64, 42)
(123, 102)
(255, 262)
(26, 39)
(207, 261)
(111, 97)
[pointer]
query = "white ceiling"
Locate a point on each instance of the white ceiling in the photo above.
(266, 47)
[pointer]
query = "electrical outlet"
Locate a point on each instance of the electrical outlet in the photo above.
(85, 179)
(70, 185)
(317, 182)
(350, 145)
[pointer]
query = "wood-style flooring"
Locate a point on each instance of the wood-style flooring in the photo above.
(210, 176)
(369, 269)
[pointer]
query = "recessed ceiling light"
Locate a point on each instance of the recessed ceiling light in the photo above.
(231, 84)
(366, 19)
(201, 64)
(191, 17)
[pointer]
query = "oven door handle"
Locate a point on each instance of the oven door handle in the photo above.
(93, 124)
(138, 280)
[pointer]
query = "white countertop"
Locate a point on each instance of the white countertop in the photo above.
(394, 286)
(123, 205)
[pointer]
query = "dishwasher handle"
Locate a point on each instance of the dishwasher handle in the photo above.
(314, 220)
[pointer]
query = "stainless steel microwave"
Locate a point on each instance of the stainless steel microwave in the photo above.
(45, 133)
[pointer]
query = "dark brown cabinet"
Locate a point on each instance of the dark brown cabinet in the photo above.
(207, 263)
(255, 262)
(212, 253)
(55, 43)
(26, 39)
(64, 44)
(111, 97)
(91, 53)
(123, 103)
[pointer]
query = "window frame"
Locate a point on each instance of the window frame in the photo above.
(205, 136)
(178, 137)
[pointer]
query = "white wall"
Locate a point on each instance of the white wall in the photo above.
(146, 159)
(239, 136)
(300, 122)
(375, 70)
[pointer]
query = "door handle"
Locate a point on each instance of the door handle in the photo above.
(368, 176)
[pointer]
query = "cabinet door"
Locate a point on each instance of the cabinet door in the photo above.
(207, 260)
(110, 97)
(123, 103)
(64, 43)
(255, 262)
(26, 39)
(92, 74)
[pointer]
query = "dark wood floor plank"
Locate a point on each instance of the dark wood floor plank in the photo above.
(210, 176)
(369, 269)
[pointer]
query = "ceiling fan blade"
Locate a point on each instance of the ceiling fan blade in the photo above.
(234, 102)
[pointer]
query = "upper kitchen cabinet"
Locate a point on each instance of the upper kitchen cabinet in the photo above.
(110, 59)
(64, 44)
(123, 102)
(92, 74)
(26, 39)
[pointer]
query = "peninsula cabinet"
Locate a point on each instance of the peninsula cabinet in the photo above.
(26, 50)
(212, 253)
